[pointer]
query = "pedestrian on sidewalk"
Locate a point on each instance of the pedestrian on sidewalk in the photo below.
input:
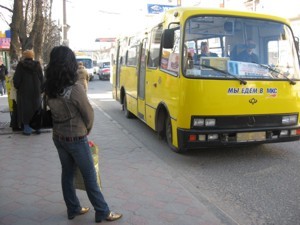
(83, 76)
(13, 98)
(28, 81)
(3, 74)
(73, 118)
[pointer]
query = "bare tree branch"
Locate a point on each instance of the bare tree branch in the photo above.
(8, 9)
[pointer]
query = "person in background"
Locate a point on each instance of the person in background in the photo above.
(205, 50)
(28, 81)
(3, 74)
(83, 76)
(248, 54)
(73, 118)
(13, 98)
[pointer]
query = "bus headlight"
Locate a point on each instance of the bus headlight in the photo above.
(289, 120)
(210, 122)
(198, 122)
(201, 122)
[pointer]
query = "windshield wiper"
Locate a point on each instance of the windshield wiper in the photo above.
(225, 72)
(278, 72)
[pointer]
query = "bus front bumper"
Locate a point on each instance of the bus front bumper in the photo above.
(193, 139)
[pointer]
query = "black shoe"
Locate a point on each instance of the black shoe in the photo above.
(16, 129)
(83, 210)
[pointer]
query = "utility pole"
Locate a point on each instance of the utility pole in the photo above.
(65, 25)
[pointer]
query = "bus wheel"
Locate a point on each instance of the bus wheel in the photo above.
(169, 136)
(125, 109)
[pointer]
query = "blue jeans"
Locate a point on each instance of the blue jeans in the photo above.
(78, 153)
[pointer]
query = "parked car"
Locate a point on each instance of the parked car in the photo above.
(104, 71)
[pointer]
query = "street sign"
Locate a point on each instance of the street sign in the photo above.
(4, 43)
(105, 40)
(156, 8)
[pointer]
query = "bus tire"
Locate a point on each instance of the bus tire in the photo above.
(127, 113)
(169, 136)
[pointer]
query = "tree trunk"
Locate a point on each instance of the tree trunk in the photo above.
(38, 30)
(15, 26)
(31, 21)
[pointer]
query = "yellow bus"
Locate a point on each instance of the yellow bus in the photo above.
(246, 90)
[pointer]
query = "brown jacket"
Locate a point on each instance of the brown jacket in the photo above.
(72, 113)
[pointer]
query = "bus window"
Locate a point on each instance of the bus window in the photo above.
(132, 56)
(154, 47)
(251, 44)
(132, 53)
(170, 58)
(277, 53)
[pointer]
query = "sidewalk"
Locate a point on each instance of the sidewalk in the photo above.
(135, 182)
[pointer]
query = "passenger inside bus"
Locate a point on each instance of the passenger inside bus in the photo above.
(248, 55)
(205, 51)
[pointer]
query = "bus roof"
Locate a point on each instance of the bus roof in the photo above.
(178, 12)
(83, 57)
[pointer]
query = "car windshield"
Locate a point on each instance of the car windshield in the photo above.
(233, 47)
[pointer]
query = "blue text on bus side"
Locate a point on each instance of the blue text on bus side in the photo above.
(272, 90)
(246, 91)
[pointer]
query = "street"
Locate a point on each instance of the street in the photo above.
(252, 185)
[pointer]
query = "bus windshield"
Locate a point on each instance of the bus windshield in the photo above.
(234, 47)
(88, 63)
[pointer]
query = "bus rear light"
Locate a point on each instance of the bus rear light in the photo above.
(192, 137)
(298, 132)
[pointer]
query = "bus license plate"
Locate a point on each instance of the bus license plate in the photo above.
(251, 136)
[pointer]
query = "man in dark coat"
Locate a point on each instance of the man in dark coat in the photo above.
(28, 81)
(248, 54)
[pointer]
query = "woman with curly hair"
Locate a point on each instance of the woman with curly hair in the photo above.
(73, 117)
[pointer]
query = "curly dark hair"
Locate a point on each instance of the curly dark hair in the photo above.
(61, 71)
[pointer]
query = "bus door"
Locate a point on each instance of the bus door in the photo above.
(141, 79)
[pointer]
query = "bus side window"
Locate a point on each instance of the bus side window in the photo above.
(170, 59)
(153, 60)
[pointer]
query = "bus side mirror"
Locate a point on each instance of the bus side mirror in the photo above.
(168, 38)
